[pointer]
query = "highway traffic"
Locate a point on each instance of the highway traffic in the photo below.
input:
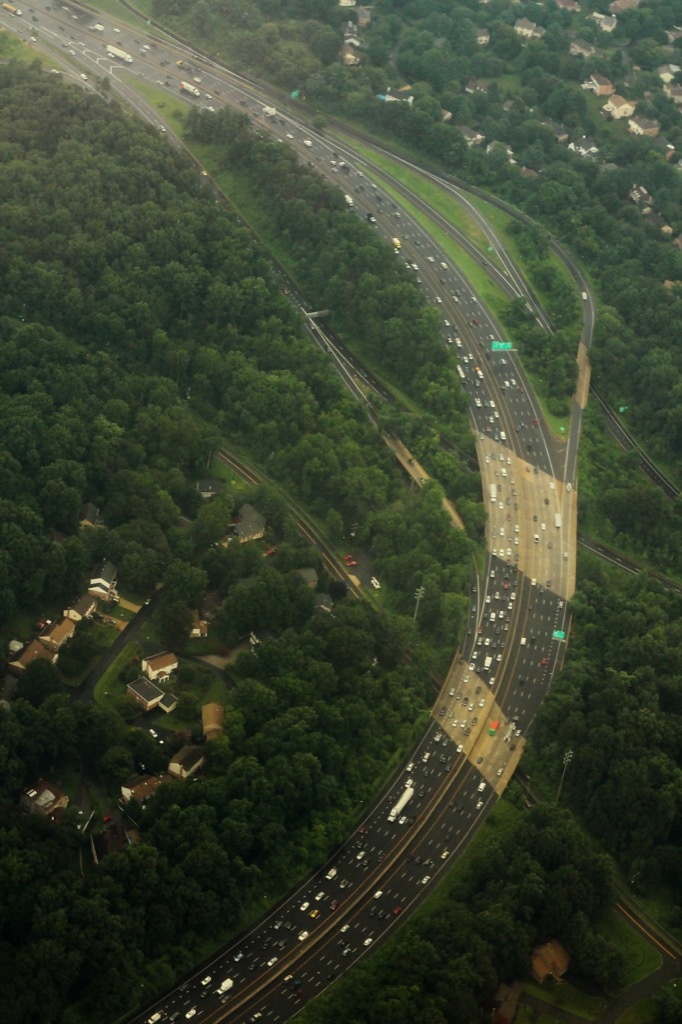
(519, 615)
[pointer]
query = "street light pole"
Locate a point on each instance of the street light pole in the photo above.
(418, 594)
(568, 757)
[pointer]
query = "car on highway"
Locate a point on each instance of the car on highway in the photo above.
(368, 941)
(426, 879)
(304, 906)
(191, 1013)
(206, 981)
(375, 583)
(272, 961)
(302, 936)
(315, 913)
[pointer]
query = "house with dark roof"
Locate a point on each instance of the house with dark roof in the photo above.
(470, 136)
(103, 582)
(580, 48)
(168, 703)
(249, 524)
(84, 608)
(89, 516)
(482, 36)
(146, 693)
(643, 126)
(309, 577)
(140, 788)
(208, 488)
(186, 762)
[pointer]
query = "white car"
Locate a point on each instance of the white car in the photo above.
(153, 733)
(206, 981)
(302, 936)
(308, 143)
(345, 928)
(425, 879)
(368, 942)
(319, 897)
(272, 961)
(304, 906)
(375, 583)
(445, 854)
(191, 1013)
(481, 702)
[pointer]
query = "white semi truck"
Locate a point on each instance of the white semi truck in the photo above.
(404, 800)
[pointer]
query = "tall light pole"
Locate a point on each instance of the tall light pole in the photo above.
(568, 757)
(418, 594)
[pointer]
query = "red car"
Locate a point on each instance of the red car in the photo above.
(397, 910)
(545, 661)
(107, 818)
(536, 423)
(351, 562)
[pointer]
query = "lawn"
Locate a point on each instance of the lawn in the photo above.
(529, 1015)
(217, 691)
(566, 997)
(643, 1012)
(109, 689)
(640, 957)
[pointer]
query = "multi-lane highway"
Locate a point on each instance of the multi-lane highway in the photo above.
(519, 616)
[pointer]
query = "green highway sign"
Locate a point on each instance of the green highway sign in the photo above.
(558, 634)
(502, 346)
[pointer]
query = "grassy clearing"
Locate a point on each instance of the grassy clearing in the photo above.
(215, 692)
(566, 997)
(109, 689)
(640, 957)
(643, 1012)
(529, 1015)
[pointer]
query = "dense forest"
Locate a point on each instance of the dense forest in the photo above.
(140, 328)
(140, 325)
(531, 91)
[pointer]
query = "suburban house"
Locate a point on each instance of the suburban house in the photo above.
(44, 798)
(145, 693)
(583, 147)
(528, 29)
(168, 703)
(249, 524)
(140, 788)
(364, 16)
(599, 85)
(349, 57)
(482, 36)
(84, 608)
(506, 1002)
(212, 720)
(559, 131)
(56, 634)
(159, 666)
(618, 6)
(324, 603)
(674, 34)
(606, 22)
(501, 147)
(641, 196)
(29, 654)
(549, 960)
(643, 126)
(103, 582)
(477, 85)
(568, 5)
(673, 92)
(199, 628)
(89, 516)
(471, 137)
(618, 107)
(186, 762)
(209, 488)
(667, 72)
(309, 577)
(579, 48)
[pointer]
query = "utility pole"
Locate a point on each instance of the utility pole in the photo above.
(568, 757)
(418, 594)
